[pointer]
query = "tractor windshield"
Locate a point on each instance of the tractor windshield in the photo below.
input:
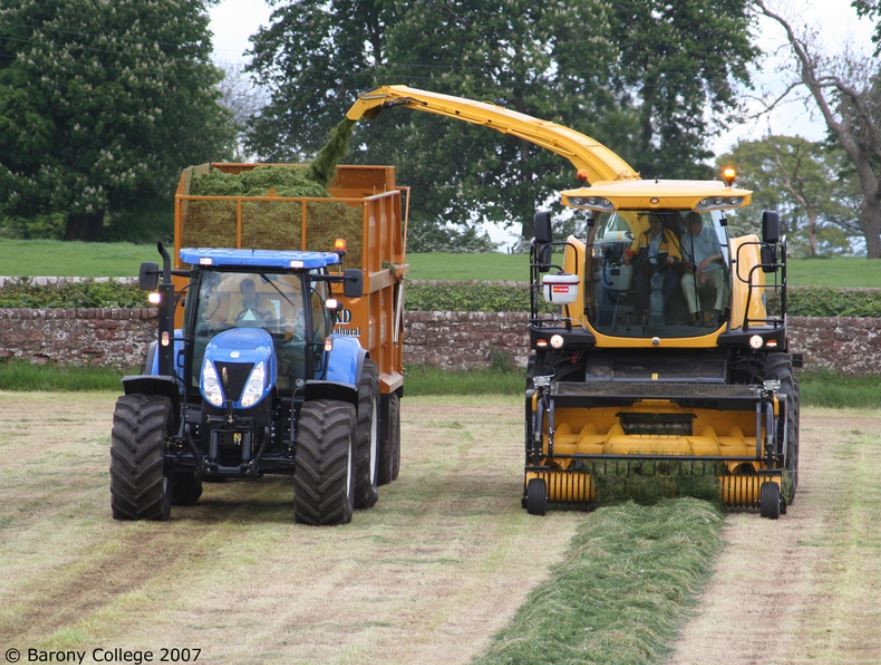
(271, 301)
(657, 273)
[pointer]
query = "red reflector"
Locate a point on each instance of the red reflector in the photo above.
(560, 288)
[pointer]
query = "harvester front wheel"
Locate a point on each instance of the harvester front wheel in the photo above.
(390, 439)
(536, 496)
(367, 456)
(770, 501)
(778, 366)
(139, 486)
(324, 481)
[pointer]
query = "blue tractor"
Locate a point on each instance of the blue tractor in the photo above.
(254, 383)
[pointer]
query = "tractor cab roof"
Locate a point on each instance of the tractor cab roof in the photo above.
(257, 258)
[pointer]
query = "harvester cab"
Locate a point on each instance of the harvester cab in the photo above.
(254, 383)
(668, 356)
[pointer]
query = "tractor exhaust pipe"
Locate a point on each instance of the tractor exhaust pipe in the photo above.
(166, 316)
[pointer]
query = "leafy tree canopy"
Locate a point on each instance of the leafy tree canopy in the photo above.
(635, 74)
(806, 183)
(101, 104)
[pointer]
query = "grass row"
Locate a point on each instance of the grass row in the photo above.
(52, 257)
(623, 591)
(817, 388)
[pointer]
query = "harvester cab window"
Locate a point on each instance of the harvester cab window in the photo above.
(643, 281)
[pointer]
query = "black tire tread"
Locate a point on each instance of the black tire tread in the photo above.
(324, 432)
(137, 457)
(390, 439)
(366, 492)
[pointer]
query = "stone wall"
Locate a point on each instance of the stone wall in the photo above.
(453, 340)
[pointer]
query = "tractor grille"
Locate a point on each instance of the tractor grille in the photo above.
(236, 374)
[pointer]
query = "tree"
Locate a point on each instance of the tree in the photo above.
(803, 181)
(101, 104)
(562, 60)
(847, 93)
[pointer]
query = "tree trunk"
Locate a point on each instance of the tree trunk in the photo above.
(812, 232)
(84, 226)
(870, 221)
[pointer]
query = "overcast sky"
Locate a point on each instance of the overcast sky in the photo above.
(234, 21)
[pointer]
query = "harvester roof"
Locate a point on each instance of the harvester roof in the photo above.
(257, 258)
(648, 194)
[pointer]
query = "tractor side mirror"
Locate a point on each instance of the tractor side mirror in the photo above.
(353, 283)
(148, 276)
(769, 258)
(770, 227)
(542, 227)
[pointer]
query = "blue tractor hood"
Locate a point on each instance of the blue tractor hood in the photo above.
(242, 363)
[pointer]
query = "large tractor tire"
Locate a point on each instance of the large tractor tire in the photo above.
(367, 451)
(139, 487)
(778, 367)
(389, 438)
(324, 481)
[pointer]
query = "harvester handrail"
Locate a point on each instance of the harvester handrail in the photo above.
(590, 158)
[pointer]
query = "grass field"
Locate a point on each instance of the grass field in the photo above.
(44, 257)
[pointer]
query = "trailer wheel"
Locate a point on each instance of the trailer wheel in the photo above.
(139, 487)
(324, 480)
(770, 501)
(536, 497)
(367, 455)
(186, 488)
(390, 439)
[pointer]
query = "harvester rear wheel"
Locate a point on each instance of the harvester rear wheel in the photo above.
(324, 480)
(139, 487)
(367, 455)
(536, 496)
(770, 501)
(778, 366)
(186, 488)
(390, 439)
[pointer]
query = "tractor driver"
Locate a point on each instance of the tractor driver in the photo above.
(656, 251)
(251, 310)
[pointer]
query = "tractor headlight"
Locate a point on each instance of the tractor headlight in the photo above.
(254, 387)
(557, 341)
(211, 384)
(756, 342)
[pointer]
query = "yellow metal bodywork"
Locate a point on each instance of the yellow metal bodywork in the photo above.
(659, 194)
(586, 154)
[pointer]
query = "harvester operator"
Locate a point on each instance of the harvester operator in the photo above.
(703, 261)
(656, 251)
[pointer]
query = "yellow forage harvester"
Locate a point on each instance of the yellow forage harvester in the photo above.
(667, 364)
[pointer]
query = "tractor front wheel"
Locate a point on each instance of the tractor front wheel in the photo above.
(324, 480)
(139, 486)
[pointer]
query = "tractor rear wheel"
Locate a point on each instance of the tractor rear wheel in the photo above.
(390, 439)
(139, 486)
(536, 497)
(324, 480)
(367, 452)
(770, 501)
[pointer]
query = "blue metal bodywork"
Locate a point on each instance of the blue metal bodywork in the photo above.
(245, 346)
(345, 361)
(258, 258)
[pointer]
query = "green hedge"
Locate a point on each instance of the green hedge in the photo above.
(424, 296)
(22, 293)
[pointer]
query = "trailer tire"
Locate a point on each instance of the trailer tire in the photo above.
(367, 453)
(390, 439)
(324, 480)
(186, 488)
(139, 486)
